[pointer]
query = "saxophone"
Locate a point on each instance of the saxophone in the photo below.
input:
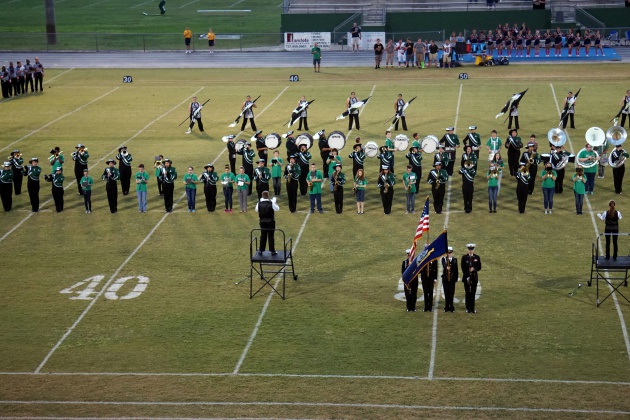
(289, 171)
(385, 184)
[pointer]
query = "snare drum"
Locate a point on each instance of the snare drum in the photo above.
(429, 144)
(273, 141)
(371, 149)
(337, 140)
(545, 157)
(239, 144)
(304, 138)
(401, 142)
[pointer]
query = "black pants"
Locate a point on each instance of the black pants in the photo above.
(354, 117)
(338, 195)
(515, 122)
(125, 178)
(533, 169)
(305, 121)
(39, 79)
(513, 160)
(618, 174)
(192, 124)
(522, 191)
(567, 117)
(470, 287)
(57, 193)
(427, 289)
(418, 171)
(6, 193)
(14, 86)
(449, 294)
(33, 193)
(559, 180)
(22, 83)
(6, 89)
(78, 173)
(404, 123)
(324, 156)
(451, 163)
(623, 119)
(29, 81)
(112, 195)
(438, 197)
(210, 191)
(260, 187)
(251, 123)
(17, 180)
(387, 198)
(168, 188)
(468, 188)
(611, 233)
(268, 229)
(232, 159)
(292, 189)
(303, 175)
(162, 8)
(355, 169)
(159, 185)
(87, 199)
(227, 195)
(411, 294)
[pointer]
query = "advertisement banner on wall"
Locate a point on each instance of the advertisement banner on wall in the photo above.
(368, 39)
(303, 41)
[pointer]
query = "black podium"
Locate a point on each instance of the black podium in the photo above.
(611, 272)
(267, 267)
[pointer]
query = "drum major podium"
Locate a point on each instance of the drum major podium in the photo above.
(611, 272)
(267, 267)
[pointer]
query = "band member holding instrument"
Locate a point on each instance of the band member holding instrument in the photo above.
(497, 161)
(450, 274)
(410, 180)
(411, 289)
(531, 159)
(569, 106)
(438, 178)
(468, 156)
(579, 180)
(292, 174)
(190, 180)
(261, 147)
(80, 157)
(194, 112)
(523, 179)
(304, 113)
(548, 176)
(471, 265)
(618, 158)
(360, 183)
(385, 156)
(142, 178)
(400, 113)
(32, 173)
(249, 114)
(558, 154)
(228, 179)
(587, 156)
(158, 168)
(415, 160)
(468, 173)
(267, 222)
(450, 142)
(314, 179)
(514, 145)
(473, 140)
(169, 175)
(389, 147)
(209, 179)
(242, 188)
(357, 156)
(6, 186)
(493, 144)
(354, 112)
(611, 217)
(625, 107)
(56, 159)
(262, 175)
(276, 172)
(333, 160)
(125, 169)
(86, 182)
(231, 149)
(292, 147)
(441, 156)
(57, 188)
(493, 188)
(386, 181)
(428, 275)
(17, 168)
(303, 160)
(248, 163)
(338, 180)
(110, 176)
(324, 151)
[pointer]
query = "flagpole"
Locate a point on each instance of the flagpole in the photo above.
(428, 231)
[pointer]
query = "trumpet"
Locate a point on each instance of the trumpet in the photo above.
(158, 164)
(54, 156)
(436, 186)
(310, 185)
(15, 156)
(494, 173)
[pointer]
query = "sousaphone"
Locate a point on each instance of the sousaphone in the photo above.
(616, 136)
(595, 136)
(557, 137)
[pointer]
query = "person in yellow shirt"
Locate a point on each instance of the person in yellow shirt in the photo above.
(187, 38)
(211, 37)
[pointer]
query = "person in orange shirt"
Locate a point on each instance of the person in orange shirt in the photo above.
(211, 37)
(187, 38)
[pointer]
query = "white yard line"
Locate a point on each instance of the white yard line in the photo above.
(57, 119)
(234, 4)
(361, 111)
(184, 5)
(439, 285)
(94, 4)
(622, 321)
(138, 5)
(63, 72)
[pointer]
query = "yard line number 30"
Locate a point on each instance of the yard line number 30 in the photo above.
(86, 289)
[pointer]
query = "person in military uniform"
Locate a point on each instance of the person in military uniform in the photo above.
(557, 155)
(291, 146)
(331, 164)
(354, 112)
(438, 178)
(473, 140)
(415, 161)
(618, 157)
(450, 141)
(533, 159)
(209, 179)
(441, 156)
(231, 148)
(57, 188)
(169, 175)
(468, 173)
(17, 167)
(194, 111)
(314, 179)
(357, 156)
(86, 182)
(32, 173)
(468, 157)
(6, 186)
(385, 183)
(261, 146)
(125, 169)
(227, 180)
(158, 168)
(303, 159)
(80, 157)
(385, 156)
(514, 144)
(409, 182)
(428, 276)
(276, 172)
(56, 159)
(523, 179)
(324, 151)
(248, 163)
(471, 265)
(450, 274)
(111, 175)
(267, 222)
(141, 188)
(411, 289)
(338, 180)
(262, 175)
(292, 174)
(248, 115)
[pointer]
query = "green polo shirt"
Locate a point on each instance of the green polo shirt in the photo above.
(89, 181)
(142, 184)
(547, 181)
(317, 186)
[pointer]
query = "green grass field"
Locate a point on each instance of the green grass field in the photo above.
(341, 345)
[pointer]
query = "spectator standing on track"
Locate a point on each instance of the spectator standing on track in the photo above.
(317, 57)
(355, 32)
(409, 52)
(39, 74)
(187, 39)
(211, 37)
(433, 53)
(418, 49)
(378, 53)
(400, 52)
(389, 54)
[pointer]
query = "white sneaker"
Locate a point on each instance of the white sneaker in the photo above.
(189, 131)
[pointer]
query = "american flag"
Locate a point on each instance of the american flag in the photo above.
(423, 226)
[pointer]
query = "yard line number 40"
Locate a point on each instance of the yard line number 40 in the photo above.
(86, 289)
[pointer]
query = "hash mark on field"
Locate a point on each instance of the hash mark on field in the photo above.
(184, 5)
(94, 4)
(133, 7)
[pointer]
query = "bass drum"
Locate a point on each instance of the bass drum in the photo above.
(371, 149)
(545, 157)
(273, 141)
(430, 144)
(401, 142)
(304, 138)
(239, 144)
(337, 140)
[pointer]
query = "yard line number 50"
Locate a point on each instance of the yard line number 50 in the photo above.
(86, 289)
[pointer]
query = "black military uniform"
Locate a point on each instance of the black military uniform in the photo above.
(473, 140)
(17, 168)
(471, 264)
(411, 290)
(338, 179)
(32, 173)
(438, 178)
(415, 160)
(261, 146)
(303, 160)
(291, 146)
(57, 189)
(450, 141)
(80, 157)
(248, 163)
(386, 183)
(265, 209)
(6, 186)
(556, 158)
(169, 175)
(358, 157)
(292, 174)
(324, 151)
(386, 157)
(111, 175)
(449, 278)
(533, 167)
(209, 179)
(428, 276)
(262, 177)
(523, 180)
(125, 169)
(231, 148)
(514, 145)
(618, 171)
(468, 186)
